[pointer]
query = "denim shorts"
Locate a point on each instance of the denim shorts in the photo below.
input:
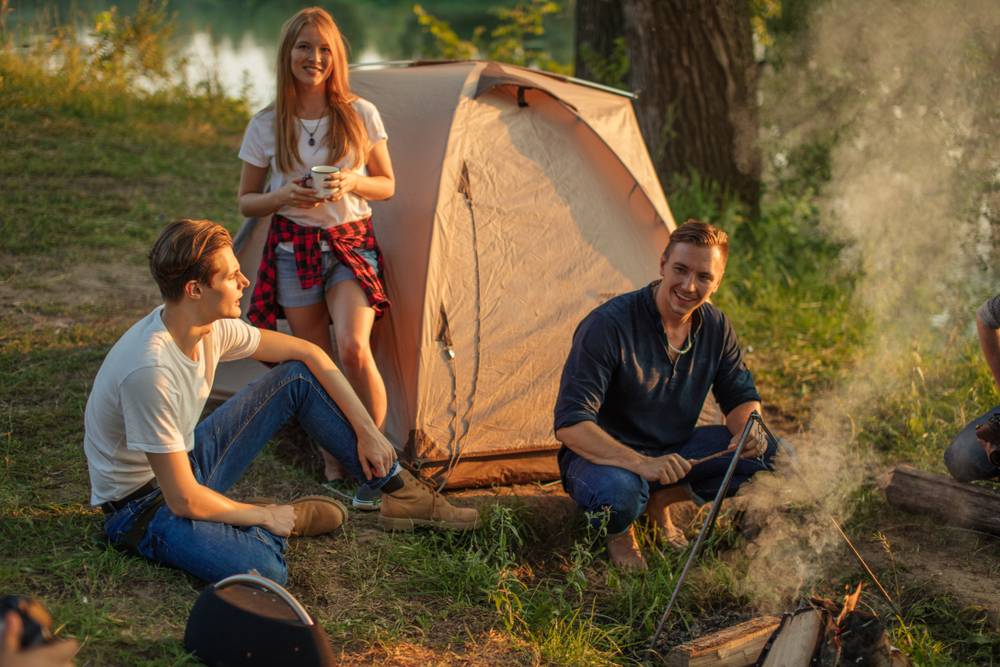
(290, 292)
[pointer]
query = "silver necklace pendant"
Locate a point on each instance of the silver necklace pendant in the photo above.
(312, 138)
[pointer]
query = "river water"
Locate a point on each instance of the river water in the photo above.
(237, 41)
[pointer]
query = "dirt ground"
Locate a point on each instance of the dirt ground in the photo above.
(938, 559)
(117, 293)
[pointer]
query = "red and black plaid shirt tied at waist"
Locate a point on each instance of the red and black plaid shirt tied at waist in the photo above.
(344, 240)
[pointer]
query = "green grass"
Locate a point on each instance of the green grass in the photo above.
(110, 166)
(91, 172)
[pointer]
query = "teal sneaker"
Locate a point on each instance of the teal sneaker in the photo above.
(361, 497)
(366, 498)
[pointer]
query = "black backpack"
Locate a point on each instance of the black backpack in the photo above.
(248, 620)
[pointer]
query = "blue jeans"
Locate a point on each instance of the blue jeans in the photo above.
(965, 458)
(290, 292)
(226, 442)
(598, 488)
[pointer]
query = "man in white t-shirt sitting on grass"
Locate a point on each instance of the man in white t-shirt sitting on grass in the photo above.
(160, 475)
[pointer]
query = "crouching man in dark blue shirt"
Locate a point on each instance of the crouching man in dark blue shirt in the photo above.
(637, 376)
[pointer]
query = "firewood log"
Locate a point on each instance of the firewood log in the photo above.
(735, 646)
(957, 503)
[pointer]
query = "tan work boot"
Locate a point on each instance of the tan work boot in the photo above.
(624, 552)
(659, 511)
(417, 504)
(317, 515)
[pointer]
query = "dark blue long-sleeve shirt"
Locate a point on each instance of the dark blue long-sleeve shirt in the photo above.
(618, 373)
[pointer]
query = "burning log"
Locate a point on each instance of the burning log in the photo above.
(857, 637)
(826, 633)
(961, 504)
(736, 646)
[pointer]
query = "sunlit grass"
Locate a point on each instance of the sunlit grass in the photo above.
(91, 172)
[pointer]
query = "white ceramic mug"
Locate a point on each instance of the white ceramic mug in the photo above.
(319, 174)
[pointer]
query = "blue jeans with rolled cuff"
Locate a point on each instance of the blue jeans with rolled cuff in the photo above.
(966, 459)
(623, 494)
(226, 442)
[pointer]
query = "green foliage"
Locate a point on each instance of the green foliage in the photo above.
(940, 386)
(611, 71)
(127, 67)
(126, 47)
(761, 11)
(786, 286)
(448, 44)
(511, 41)
(936, 632)
(468, 568)
(128, 158)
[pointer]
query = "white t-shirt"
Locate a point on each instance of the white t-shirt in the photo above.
(258, 150)
(148, 396)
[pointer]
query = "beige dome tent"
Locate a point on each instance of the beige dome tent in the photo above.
(523, 200)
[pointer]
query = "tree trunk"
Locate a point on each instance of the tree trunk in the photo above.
(598, 24)
(692, 64)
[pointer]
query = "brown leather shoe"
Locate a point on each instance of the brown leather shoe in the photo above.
(317, 515)
(417, 504)
(624, 552)
(663, 505)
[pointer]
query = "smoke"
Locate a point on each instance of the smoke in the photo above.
(910, 94)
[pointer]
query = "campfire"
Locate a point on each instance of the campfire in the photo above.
(821, 632)
(855, 636)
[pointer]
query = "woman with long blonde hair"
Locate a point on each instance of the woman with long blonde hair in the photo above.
(321, 261)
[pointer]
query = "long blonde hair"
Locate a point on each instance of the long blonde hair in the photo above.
(346, 135)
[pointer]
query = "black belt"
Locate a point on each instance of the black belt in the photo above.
(113, 506)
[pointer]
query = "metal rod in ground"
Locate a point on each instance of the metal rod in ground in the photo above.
(707, 527)
(793, 464)
(861, 561)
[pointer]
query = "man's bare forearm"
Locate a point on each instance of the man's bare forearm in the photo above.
(204, 504)
(593, 443)
(738, 416)
(596, 445)
(340, 390)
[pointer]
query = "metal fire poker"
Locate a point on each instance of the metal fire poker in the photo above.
(709, 523)
(717, 504)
